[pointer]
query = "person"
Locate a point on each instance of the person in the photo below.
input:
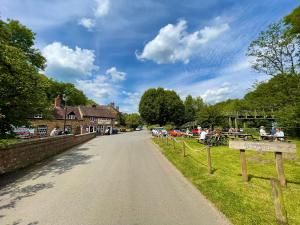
(279, 134)
(53, 132)
(203, 135)
(262, 131)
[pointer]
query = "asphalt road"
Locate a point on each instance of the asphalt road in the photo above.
(112, 180)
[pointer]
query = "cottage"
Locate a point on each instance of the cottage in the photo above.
(77, 119)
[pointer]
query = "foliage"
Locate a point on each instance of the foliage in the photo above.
(191, 107)
(160, 106)
(210, 116)
(54, 88)
(20, 90)
(280, 91)
(133, 120)
(275, 51)
(293, 20)
(243, 204)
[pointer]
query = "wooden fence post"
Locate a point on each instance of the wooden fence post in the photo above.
(209, 160)
(174, 144)
(183, 146)
(243, 164)
(279, 168)
(280, 211)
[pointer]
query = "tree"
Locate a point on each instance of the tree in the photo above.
(160, 106)
(54, 88)
(210, 116)
(20, 90)
(293, 20)
(133, 120)
(192, 106)
(274, 51)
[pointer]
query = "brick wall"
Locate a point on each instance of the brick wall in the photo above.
(24, 154)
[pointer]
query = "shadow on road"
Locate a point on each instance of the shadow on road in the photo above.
(12, 189)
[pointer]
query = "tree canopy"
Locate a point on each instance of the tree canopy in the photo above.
(21, 92)
(160, 106)
(275, 51)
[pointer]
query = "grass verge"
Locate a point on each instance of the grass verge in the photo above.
(243, 203)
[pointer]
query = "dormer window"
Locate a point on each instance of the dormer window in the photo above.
(38, 116)
(71, 116)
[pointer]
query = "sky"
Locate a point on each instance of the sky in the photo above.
(114, 50)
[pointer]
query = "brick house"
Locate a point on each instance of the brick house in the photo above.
(79, 119)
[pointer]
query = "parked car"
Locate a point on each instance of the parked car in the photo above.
(159, 131)
(195, 132)
(176, 133)
(115, 131)
(139, 128)
(23, 132)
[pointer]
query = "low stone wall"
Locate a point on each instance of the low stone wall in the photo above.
(23, 154)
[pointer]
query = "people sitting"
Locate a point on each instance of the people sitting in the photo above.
(262, 132)
(279, 135)
(203, 135)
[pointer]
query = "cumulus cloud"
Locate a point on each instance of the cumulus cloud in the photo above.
(87, 23)
(130, 101)
(173, 43)
(99, 87)
(103, 87)
(218, 94)
(102, 7)
(115, 74)
(66, 63)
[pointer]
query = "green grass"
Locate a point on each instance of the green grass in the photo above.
(5, 142)
(243, 203)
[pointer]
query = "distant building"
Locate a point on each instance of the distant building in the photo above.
(79, 119)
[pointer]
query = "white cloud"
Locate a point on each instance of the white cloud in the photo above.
(87, 23)
(130, 101)
(173, 43)
(66, 63)
(115, 74)
(103, 87)
(218, 94)
(102, 7)
(99, 87)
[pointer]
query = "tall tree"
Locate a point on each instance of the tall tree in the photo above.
(21, 92)
(160, 106)
(275, 51)
(192, 106)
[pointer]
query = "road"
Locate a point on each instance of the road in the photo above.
(113, 180)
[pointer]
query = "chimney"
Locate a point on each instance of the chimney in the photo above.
(57, 102)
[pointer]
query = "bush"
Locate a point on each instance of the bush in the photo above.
(253, 131)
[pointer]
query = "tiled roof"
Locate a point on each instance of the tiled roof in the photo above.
(97, 111)
(59, 113)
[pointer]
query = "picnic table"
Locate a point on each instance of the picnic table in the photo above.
(273, 138)
(234, 135)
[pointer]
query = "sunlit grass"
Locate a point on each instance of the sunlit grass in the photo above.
(243, 203)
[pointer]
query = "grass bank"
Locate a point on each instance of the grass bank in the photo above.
(5, 142)
(243, 203)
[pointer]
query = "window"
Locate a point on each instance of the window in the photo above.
(38, 116)
(42, 130)
(71, 116)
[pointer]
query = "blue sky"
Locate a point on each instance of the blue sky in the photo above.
(114, 50)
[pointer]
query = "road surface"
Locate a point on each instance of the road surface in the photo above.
(113, 180)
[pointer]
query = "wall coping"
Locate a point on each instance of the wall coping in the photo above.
(42, 140)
